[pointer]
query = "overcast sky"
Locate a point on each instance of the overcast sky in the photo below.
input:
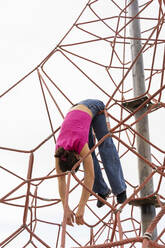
(29, 31)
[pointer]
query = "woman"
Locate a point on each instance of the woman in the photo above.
(74, 141)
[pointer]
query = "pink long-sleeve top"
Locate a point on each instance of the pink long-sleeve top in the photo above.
(74, 131)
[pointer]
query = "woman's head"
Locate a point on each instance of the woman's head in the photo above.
(67, 159)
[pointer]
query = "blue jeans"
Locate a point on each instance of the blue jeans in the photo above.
(107, 150)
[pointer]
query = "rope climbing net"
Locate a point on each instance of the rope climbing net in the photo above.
(93, 60)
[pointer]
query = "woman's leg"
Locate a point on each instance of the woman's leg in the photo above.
(109, 155)
(100, 185)
(107, 149)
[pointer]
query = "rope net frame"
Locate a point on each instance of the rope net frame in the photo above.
(93, 59)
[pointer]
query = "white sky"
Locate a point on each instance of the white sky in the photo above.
(29, 30)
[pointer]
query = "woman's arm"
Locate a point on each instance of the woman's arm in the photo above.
(88, 181)
(62, 189)
(61, 182)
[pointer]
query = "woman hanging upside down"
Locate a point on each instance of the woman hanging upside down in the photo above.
(75, 141)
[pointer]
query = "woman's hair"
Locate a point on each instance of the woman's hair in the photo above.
(67, 159)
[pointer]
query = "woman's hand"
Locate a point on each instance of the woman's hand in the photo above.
(80, 216)
(70, 218)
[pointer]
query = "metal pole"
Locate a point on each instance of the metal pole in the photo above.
(147, 211)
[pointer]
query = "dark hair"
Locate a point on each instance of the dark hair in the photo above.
(67, 159)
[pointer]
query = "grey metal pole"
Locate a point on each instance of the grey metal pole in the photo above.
(147, 211)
